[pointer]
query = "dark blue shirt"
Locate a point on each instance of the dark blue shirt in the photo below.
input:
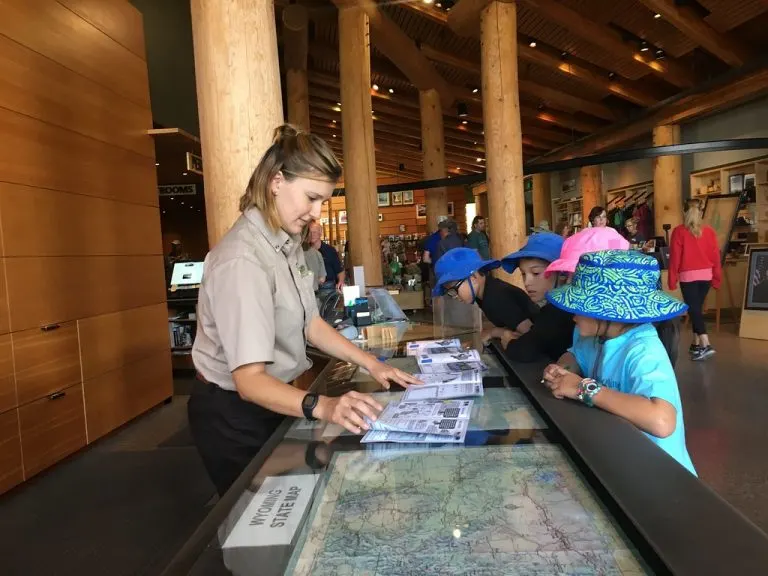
(332, 262)
(431, 244)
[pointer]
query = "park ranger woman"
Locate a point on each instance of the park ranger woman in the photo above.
(257, 311)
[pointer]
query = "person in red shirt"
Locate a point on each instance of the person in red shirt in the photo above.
(695, 262)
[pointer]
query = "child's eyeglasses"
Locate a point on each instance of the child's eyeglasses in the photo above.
(453, 291)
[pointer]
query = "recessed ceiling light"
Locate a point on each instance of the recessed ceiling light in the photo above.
(391, 90)
(171, 197)
(183, 173)
(657, 15)
(334, 135)
(334, 121)
(428, 1)
(644, 47)
(475, 90)
(612, 75)
(376, 87)
(479, 159)
(475, 143)
(532, 44)
(439, 5)
(660, 54)
(157, 163)
(464, 122)
(338, 103)
(182, 203)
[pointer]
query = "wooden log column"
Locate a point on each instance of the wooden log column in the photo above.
(542, 200)
(591, 191)
(667, 181)
(433, 151)
(503, 135)
(357, 139)
(296, 41)
(238, 98)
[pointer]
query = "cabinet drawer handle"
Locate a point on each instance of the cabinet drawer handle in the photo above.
(50, 327)
(57, 395)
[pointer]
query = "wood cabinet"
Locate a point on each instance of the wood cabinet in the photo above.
(11, 471)
(51, 429)
(114, 340)
(49, 290)
(8, 399)
(116, 397)
(47, 360)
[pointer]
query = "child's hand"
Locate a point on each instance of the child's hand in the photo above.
(561, 382)
(507, 337)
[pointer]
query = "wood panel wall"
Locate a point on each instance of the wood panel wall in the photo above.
(83, 320)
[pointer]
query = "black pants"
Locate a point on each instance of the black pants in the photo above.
(228, 431)
(694, 294)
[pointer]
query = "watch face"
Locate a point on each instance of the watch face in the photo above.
(592, 386)
(309, 401)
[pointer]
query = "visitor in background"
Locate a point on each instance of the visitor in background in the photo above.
(449, 237)
(598, 217)
(633, 236)
(563, 229)
(478, 239)
(334, 271)
(695, 262)
(312, 255)
(620, 364)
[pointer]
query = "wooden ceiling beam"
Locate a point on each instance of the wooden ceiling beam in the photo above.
(553, 97)
(585, 74)
(726, 95)
(559, 99)
(729, 50)
(541, 138)
(464, 17)
(609, 39)
(395, 44)
(402, 136)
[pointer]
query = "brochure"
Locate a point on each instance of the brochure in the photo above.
(443, 391)
(415, 348)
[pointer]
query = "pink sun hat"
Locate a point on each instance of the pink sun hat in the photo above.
(588, 240)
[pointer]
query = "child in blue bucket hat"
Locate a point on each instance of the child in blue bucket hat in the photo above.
(549, 331)
(621, 365)
(463, 274)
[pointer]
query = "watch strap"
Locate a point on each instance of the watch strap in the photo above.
(308, 405)
(588, 388)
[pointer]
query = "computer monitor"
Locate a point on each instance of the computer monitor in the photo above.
(187, 274)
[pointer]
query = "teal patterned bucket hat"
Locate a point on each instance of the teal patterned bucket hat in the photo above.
(619, 286)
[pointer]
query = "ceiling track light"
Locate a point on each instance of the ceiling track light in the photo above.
(532, 44)
(375, 87)
(657, 16)
(612, 75)
(660, 54)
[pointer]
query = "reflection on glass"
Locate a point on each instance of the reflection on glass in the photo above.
(488, 510)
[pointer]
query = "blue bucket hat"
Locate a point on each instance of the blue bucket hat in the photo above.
(619, 286)
(542, 245)
(459, 264)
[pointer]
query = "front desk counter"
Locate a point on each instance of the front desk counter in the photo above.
(541, 486)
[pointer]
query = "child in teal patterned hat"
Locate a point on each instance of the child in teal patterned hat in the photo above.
(620, 365)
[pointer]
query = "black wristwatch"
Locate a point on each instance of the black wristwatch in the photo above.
(308, 404)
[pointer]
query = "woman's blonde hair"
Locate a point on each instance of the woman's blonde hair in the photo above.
(693, 217)
(295, 153)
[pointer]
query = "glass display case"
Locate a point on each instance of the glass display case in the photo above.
(527, 493)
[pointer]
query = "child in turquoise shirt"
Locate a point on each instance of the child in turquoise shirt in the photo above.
(619, 364)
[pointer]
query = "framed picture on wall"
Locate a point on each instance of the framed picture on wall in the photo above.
(342, 216)
(397, 198)
(421, 210)
(736, 183)
(757, 280)
(407, 197)
(450, 209)
(383, 198)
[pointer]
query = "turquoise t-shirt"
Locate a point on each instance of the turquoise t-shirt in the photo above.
(637, 363)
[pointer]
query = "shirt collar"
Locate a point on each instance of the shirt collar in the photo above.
(280, 240)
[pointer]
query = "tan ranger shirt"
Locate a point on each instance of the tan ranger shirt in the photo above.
(255, 304)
